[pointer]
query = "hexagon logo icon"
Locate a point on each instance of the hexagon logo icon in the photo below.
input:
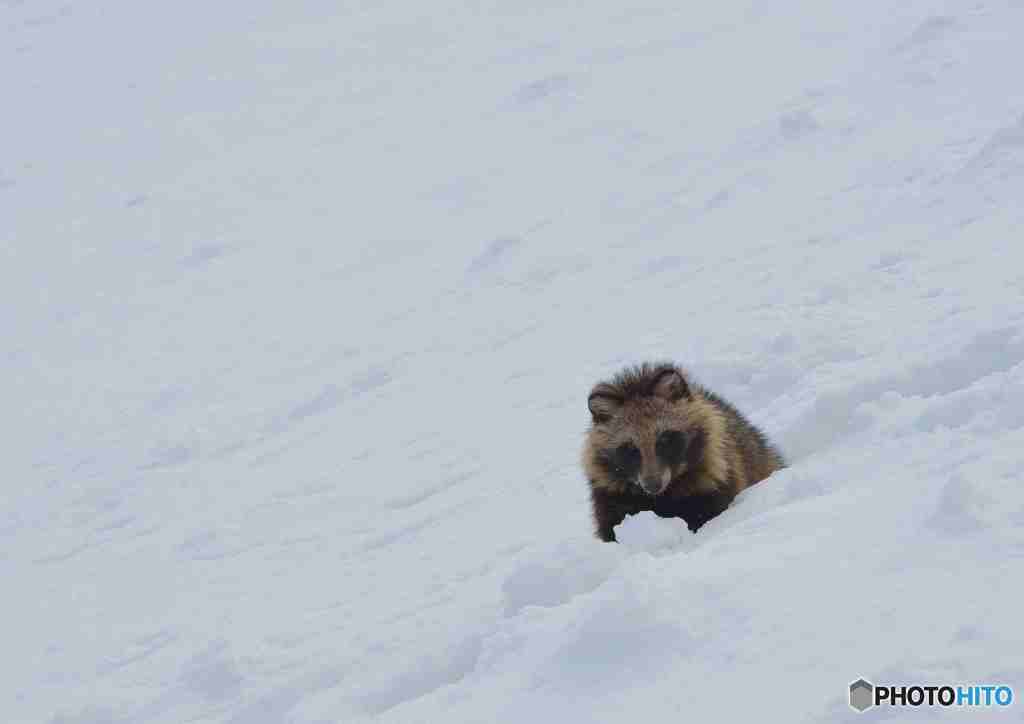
(862, 695)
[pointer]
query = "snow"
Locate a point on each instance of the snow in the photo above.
(302, 302)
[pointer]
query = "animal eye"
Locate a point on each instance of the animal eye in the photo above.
(671, 446)
(627, 457)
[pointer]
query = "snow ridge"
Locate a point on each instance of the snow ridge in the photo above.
(302, 303)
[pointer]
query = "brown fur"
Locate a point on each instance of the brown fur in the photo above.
(722, 454)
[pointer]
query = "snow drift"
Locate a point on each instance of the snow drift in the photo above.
(302, 303)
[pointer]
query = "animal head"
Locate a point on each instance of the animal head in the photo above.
(649, 430)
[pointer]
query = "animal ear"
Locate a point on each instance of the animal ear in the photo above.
(671, 385)
(604, 403)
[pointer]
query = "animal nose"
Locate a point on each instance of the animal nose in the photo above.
(651, 485)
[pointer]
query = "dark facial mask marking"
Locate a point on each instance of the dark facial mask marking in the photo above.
(621, 463)
(670, 447)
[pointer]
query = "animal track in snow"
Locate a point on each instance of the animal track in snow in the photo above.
(838, 415)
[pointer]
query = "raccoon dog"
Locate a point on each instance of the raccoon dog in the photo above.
(659, 442)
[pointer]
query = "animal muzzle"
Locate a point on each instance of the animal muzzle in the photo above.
(652, 485)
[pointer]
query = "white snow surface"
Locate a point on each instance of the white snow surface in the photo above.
(302, 301)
